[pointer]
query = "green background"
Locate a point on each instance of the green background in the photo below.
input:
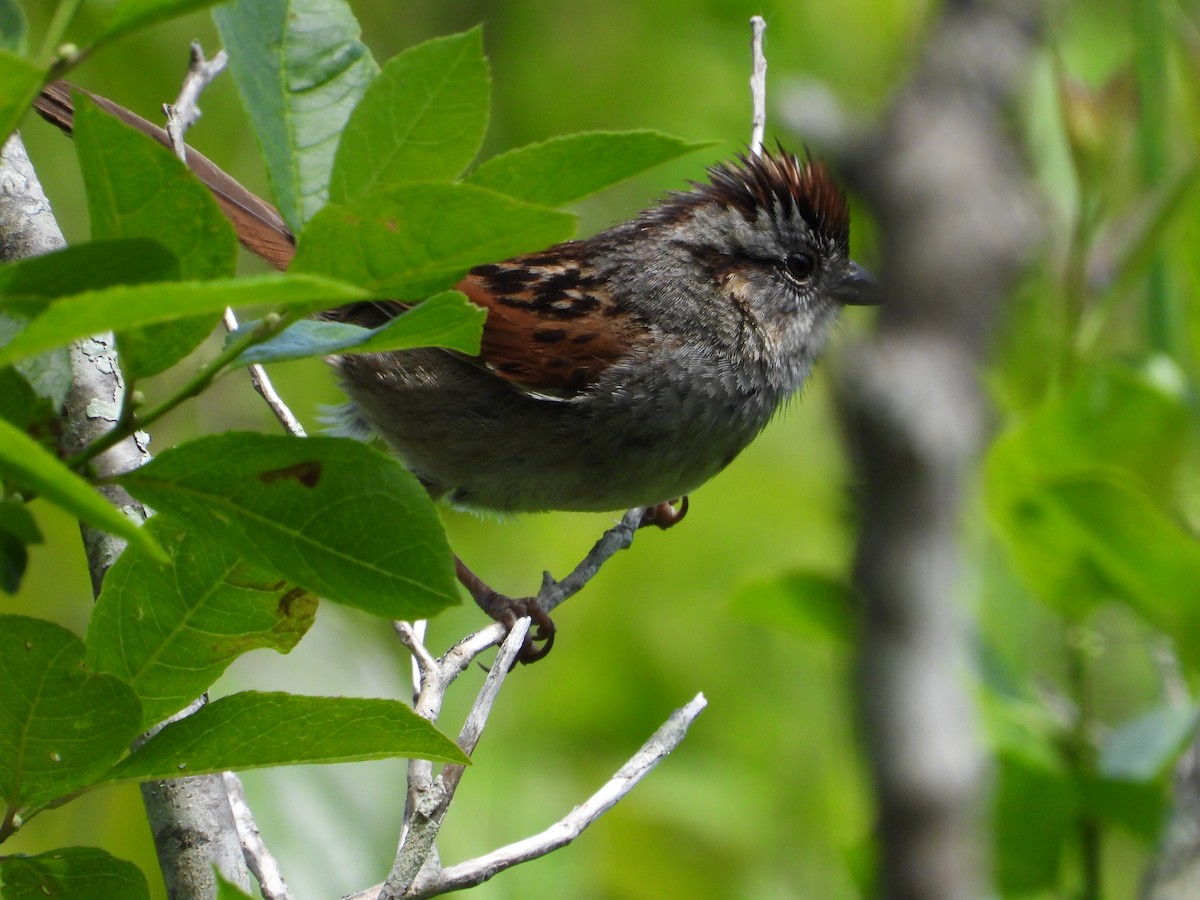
(768, 796)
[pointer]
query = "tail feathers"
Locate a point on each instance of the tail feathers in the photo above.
(259, 226)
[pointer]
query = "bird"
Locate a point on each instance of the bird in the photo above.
(619, 370)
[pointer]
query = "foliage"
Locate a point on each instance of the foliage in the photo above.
(250, 528)
(1080, 557)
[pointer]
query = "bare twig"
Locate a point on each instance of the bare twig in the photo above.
(613, 541)
(182, 115)
(264, 866)
(417, 870)
(569, 827)
(262, 384)
(185, 111)
(758, 85)
(957, 221)
(428, 797)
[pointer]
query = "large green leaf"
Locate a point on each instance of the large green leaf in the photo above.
(30, 465)
(170, 629)
(60, 725)
(300, 68)
(129, 306)
(1118, 417)
(137, 188)
(251, 730)
(422, 119)
(1087, 539)
(569, 168)
(446, 320)
(410, 241)
(331, 514)
(71, 873)
(1115, 442)
(29, 284)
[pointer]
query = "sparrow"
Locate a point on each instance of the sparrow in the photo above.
(621, 370)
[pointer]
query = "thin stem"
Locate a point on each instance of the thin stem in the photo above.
(758, 85)
(268, 327)
(1153, 128)
(1082, 758)
(64, 15)
(8, 827)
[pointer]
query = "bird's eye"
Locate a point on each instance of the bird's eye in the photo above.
(801, 265)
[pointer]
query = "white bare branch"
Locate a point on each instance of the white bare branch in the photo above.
(758, 85)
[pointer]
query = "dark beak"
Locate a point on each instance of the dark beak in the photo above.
(858, 287)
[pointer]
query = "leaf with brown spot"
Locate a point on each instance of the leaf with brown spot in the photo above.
(170, 630)
(308, 473)
(364, 533)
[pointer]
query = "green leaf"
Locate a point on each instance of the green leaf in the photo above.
(331, 514)
(19, 405)
(137, 188)
(1118, 417)
(251, 730)
(30, 284)
(131, 15)
(46, 376)
(12, 27)
(169, 630)
(1033, 813)
(129, 306)
(808, 604)
(447, 320)
(30, 465)
(1116, 538)
(569, 168)
(422, 119)
(410, 241)
(60, 725)
(1145, 747)
(20, 82)
(72, 873)
(17, 531)
(1122, 430)
(1138, 806)
(300, 68)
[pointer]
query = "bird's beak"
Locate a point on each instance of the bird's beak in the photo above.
(858, 287)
